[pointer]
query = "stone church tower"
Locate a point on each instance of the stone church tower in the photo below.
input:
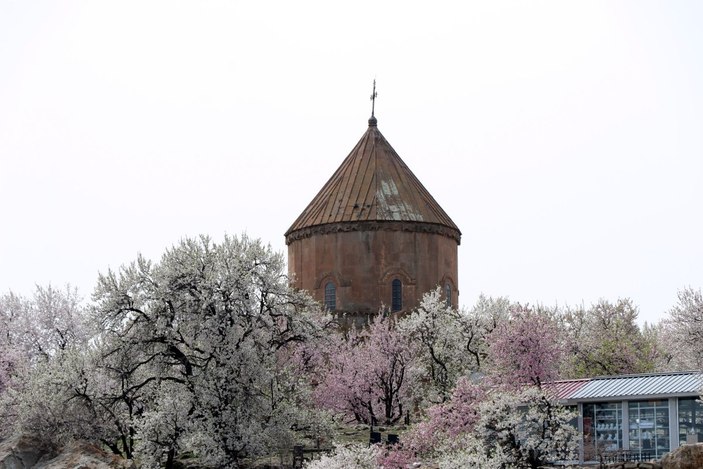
(373, 236)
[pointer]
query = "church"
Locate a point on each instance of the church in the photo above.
(373, 238)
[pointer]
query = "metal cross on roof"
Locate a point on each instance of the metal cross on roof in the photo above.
(373, 98)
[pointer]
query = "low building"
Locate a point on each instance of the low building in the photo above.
(644, 415)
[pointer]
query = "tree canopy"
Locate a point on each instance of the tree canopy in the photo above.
(192, 351)
(209, 352)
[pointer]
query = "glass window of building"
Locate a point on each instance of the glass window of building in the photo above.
(648, 428)
(396, 295)
(690, 420)
(330, 296)
(448, 294)
(602, 429)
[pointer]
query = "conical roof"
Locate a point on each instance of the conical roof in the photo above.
(373, 184)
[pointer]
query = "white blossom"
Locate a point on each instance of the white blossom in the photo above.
(353, 456)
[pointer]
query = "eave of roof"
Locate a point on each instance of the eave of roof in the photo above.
(561, 390)
(642, 386)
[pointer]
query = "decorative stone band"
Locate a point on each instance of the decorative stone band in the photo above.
(342, 227)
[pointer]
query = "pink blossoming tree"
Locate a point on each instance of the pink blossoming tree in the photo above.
(527, 349)
(367, 374)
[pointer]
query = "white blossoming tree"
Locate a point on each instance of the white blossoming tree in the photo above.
(450, 343)
(525, 429)
(190, 353)
(198, 344)
(348, 457)
(514, 430)
(40, 337)
(680, 334)
(605, 339)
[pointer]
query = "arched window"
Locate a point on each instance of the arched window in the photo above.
(448, 294)
(330, 296)
(396, 295)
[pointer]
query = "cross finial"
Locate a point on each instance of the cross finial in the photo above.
(372, 119)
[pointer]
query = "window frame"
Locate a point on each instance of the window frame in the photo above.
(448, 295)
(396, 295)
(330, 296)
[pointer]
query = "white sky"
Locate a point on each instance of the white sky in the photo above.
(565, 139)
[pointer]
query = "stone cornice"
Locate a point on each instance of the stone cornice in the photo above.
(342, 227)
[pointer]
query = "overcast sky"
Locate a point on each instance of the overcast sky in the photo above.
(565, 139)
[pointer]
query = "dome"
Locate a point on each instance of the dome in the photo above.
(373, 189)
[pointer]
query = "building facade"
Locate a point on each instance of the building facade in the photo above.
(643, 416)
(373, 237)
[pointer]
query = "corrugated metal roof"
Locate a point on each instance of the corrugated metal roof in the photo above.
(640, 385)
(373, 184)
(561, 390)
